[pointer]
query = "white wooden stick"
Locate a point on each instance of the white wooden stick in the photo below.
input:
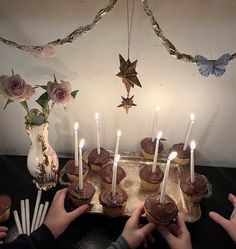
(27, 214)
(17, 220)
(23, 220)
(36, 210)
(39, 216)
(45, 209)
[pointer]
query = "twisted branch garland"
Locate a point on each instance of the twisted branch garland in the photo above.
(48, 49)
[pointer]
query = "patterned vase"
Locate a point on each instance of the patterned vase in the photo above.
(42, 160)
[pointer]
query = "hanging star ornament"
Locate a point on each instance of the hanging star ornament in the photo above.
(128, 74)
(127, 103)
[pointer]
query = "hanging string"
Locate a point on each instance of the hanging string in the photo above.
(130, 24)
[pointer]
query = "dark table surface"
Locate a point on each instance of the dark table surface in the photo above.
(95, 231)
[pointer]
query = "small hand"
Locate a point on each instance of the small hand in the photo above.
(133, 233)
(57, 219)
(3, 233)
(176, 235)
(228, 225)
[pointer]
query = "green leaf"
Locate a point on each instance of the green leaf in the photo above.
(25, 105)
(73, 94)
(45, 87)
(43, 100)
(8, 102)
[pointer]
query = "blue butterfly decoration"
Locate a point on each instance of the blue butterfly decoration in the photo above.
(216, 67)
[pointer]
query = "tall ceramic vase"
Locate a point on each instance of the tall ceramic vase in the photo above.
(42, 160)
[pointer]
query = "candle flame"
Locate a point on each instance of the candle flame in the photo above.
(76, 126)
(172, 155)
(158, 109)
(118, 133)
(81, 143)
(159, 134)
(97, 116)
(192, 117)
(117, 158)
(193, 145)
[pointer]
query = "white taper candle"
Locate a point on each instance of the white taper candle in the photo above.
(154, 165)
(118, 134)
(27, 214)
(17, 220)
(76, 126)
(192, 119)
(98, 133)
(114, 174)
(45, 209)
(23, 219)
(39, 216)
(155, 122)
(164, 183)
(193, 146)
(81, 145)
(36, 209)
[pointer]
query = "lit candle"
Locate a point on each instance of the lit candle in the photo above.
(76, 126)
(81, 145)
(164, 183)
(98, 133)
(118, 134)
(154, 165)
(192, 119)
(193, 146)
(114, 174)
(155, 122)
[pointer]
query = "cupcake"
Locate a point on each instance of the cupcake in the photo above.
(72, 172)
(150, 180)
(106, 175)
(194, 192)
(77, 197)
(113, 206)
(148, 147)
(183, 156)
(96, 161)
(160, 214)
(5, 205)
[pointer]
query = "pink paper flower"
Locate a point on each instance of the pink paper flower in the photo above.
(15, 88)
(60, 93)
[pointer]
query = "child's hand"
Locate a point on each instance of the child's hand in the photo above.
(3, 233)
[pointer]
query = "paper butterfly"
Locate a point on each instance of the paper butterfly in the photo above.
(216, 67)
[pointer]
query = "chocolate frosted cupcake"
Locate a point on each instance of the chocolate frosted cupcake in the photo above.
(150, 180)
(183, 156)
(72, 172)
(194, 192)
(78, 197)
(106, 175)
(148, 147)
(96, 161)
(160, 214)
(113, 206)
(5, 205)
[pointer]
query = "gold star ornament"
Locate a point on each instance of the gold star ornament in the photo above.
(128, 74)
(127, 103)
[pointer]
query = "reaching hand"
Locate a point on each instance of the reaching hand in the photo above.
(57, 219)
(3, 233)
(228, 225)
(177, 235)
(133, 233)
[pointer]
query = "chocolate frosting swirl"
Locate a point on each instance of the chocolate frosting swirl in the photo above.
(146, 174)
(86, 193)
(199, 187)
(71, 169)
(179, 149)
(149, 146)
(165, 212)
(100, 159)
(106, 174)
(5, 203)
(106, 199)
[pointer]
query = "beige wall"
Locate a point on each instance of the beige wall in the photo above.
(91, 62)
